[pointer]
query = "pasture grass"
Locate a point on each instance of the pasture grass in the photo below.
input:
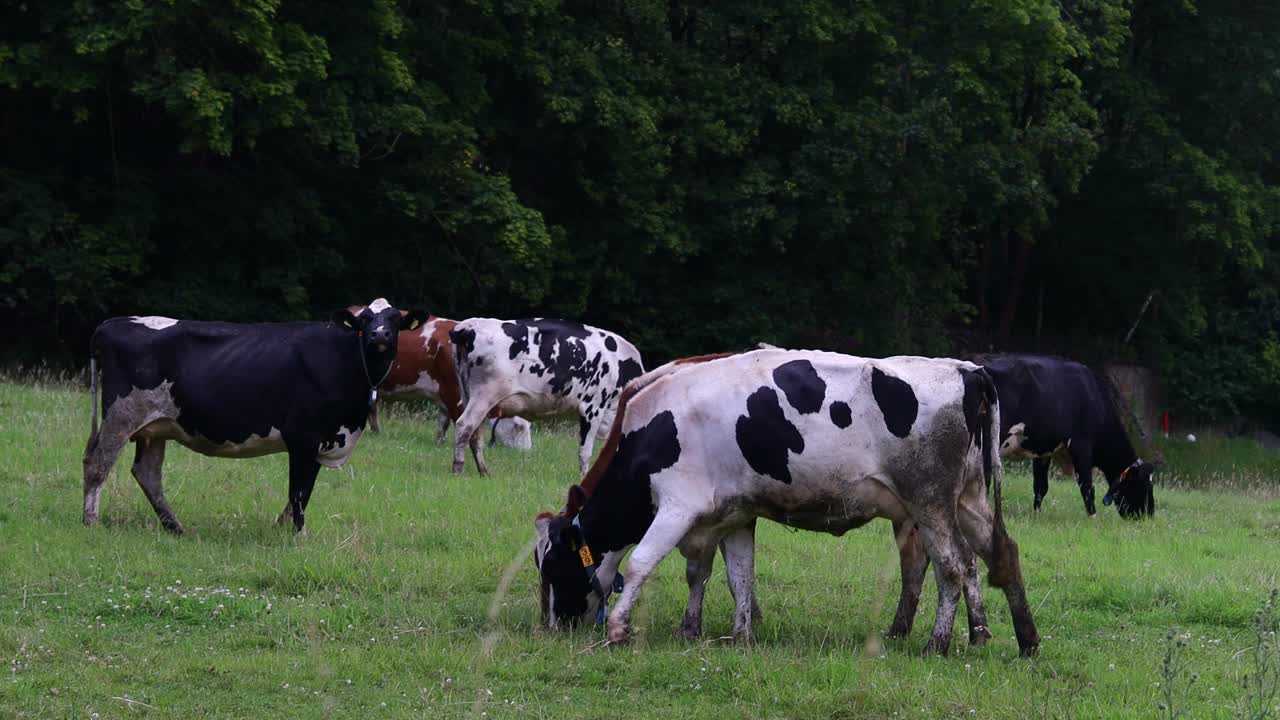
(383, 608)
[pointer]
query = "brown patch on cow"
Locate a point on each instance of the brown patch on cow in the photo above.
(418, 352)
(702, 358)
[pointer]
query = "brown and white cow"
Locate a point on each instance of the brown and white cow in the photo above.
(814, 440)
(424, 369)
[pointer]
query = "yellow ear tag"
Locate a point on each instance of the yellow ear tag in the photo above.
(413, 325)
(347, 323)
(584, 552)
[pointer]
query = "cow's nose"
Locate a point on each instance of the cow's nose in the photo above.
(380, 335)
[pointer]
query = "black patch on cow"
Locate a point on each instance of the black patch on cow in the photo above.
(464, 339)
(978, 388)
(804, 389)
(584, 427)
(841, 415)
(628, 370)
(610, 343)
(765, 435)
(621, 510)
(537, 370)
(519, 334)
(897, 402)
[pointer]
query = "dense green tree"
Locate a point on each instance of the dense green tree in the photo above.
(874, 177)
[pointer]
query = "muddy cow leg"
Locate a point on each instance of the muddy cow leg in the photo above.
(100, 456)
(914, 561)
(739, 549)
(666, 531)
(699, 561)
(465, 433)
(147, 463)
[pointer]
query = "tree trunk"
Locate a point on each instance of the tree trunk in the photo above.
(1017, 277)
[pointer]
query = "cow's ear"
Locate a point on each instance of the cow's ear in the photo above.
(345, 320)
(412, 319)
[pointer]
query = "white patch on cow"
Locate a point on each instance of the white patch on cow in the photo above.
(512, 432)
(333, 455)
(155, 322)
(380, 328)
(379, 305)
(1012, 444)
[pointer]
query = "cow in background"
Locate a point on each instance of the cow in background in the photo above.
(236, 390)
(1051, 407)
(424, 369)
(539, 367)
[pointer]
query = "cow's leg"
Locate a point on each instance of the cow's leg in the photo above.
(147, 462)
(947, 552)
(739, 548)
(992, 543)
(443, 423)
(1040, 475)
(374, 425)
(667, 530)
(465, 433)
(1082, 459)
(587, 430)
(914, 562)
(700, 558)
(100, 456)
(303, 469)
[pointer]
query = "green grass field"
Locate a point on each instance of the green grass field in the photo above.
(384, 608)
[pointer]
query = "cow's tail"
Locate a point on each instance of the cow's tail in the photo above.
(93, 384)
(989, 445)
(458, 369)
(1004, 567)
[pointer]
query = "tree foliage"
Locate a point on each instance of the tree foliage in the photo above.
(874, 177)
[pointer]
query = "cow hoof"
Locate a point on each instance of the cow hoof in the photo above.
(936, 646)
(688, 631)
(90, 520)
(1030, 651)
(618, 634)
(458, 467)
(978, 636)
(897, 632)
(174, 527)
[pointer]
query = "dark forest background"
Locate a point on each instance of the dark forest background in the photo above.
(873, 177)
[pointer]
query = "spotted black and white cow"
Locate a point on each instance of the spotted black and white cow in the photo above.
(233, 390)
(1051, 407)
(813, 440)
(535, 368)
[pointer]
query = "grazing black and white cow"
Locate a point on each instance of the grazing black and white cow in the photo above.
(1053, 406)
(232, 390)
(539, 367)
(814, 440)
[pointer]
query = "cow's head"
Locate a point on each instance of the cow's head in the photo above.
(1134, 494)
(566, 591)
(378, 327)
(379, 324)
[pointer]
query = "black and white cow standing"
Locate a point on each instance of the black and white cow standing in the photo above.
(535, 368)
(1050, 407)
(233, 390)
(814, 440)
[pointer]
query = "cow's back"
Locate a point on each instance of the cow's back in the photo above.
(229, 381)
(776, 422)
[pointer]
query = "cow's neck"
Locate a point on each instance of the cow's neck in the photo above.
(617, 514)
(1114, 452)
